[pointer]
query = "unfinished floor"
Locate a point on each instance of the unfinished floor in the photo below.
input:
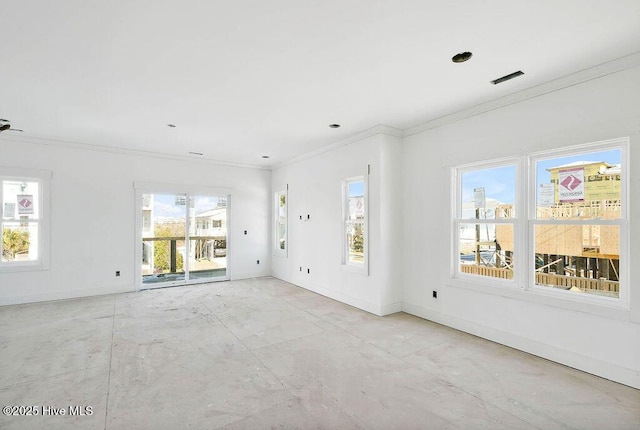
(263, 354)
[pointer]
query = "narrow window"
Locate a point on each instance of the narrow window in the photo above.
(355, 222)
(280, 205)
(485, 221)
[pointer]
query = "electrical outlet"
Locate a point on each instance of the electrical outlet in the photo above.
(308, 271)
(245, 232)
(117, 273)
(301, 268)
(257, 261)
(435, 294)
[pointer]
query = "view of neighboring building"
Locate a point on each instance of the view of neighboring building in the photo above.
(165, 255)
(581, 257)
(213, 224)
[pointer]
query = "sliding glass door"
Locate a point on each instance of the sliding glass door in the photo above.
(184, 239)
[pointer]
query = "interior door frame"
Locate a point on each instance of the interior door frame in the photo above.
(141, 188)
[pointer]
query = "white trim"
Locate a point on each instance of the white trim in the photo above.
(277, 251)
(614, 66)
(43, 178)
(623, 299)
(357, 302)
(585, 363)
(524, 223)
(457, 220)
(142, 188)
(347, 265)
(133, 152)
(65, 295)
(371, 132)
(163, 187)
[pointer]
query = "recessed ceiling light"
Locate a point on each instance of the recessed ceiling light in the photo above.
(461, 57)
(171, 125)
(334, 125)
(265, 156)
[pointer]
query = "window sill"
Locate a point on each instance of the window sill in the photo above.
(603, 307)
(355, 268)
(22, 267)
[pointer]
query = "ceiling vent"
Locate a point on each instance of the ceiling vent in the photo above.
(507, 77)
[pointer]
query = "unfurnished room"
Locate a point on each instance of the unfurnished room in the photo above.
(301, 214)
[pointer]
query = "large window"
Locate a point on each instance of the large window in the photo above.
(578, 221)
(280, 215)
(572, 242)
(24, 196)
(354, 210)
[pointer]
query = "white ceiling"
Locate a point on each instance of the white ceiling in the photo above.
(241, 79)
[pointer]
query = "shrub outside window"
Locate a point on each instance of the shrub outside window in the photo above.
(24, 221)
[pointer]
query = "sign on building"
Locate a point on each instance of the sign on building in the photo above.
(479, 199)
(571, 185)
(547, 195)
(9, 210)
(25, 204)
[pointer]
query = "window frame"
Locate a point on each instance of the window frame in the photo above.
(282, 190)
(363, 267)
(523, 284)
(43, 220)
(621, 144)
(516, 221)
(141, 188)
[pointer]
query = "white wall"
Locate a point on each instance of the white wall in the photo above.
(93, 217)
(315, 188)
(601, 341)
(409, 225)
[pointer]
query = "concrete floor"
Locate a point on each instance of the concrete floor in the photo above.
(261, 353)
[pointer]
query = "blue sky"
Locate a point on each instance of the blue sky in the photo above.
(499, 182)
(164, 205)
(356, 189)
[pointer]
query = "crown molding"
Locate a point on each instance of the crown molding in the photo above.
(126, 151)
(371, 132)
(595, 72)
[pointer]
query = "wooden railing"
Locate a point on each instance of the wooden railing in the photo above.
(550, 279)
(584, 284)
(173, 246)
(493, 272)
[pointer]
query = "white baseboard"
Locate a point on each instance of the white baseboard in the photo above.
(572, 359)
(62, 295)
(343, 298)
(391, 308)
(248, 275)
